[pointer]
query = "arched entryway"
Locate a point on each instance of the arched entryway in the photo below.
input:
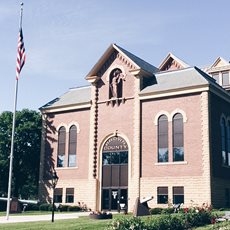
(114, 174)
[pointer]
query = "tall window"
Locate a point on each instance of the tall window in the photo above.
(163, 139)
(178, 195)
(162, 195)
(69, 195)
(178, 138)
(228, 145)
(61, 147)
(72, 146)
(223, 141)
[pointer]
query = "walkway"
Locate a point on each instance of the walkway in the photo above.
(31, 218)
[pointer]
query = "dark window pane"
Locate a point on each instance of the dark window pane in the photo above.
(106, 158)
(61, 147)
(178, 154)
(162, 195)
(162, 155)
(115, 175)
(162, 139)
(115, 157)
(123, 157)
(105, 197)
(72, 146)
(178, 138)
(58, 195)
(124, 175)
(178, 195)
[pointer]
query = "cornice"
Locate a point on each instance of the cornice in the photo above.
(66, 108)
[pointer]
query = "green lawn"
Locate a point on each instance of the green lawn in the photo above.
(82, 223)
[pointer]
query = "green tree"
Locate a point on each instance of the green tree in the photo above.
(26, 159)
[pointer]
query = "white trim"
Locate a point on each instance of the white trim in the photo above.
(171, 163)
(162, 112)
(153, 95)
(60, 125)
(74, 123)
(66, 108)
(177, 110)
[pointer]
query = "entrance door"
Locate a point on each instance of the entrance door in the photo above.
(114, 199)
(114, 174)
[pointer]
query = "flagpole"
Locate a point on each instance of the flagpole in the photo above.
(13, 133)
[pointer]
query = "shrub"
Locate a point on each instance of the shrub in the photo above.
(74, 209)
(154, 211)
(32, 207)
(63, 208)
(133, 223)
(167, 211)
(3, 205)
(45, 207)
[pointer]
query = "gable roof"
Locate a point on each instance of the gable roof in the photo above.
(136, 61)
(179, 79)
(168, 62)
(219, 62)
(74, 96)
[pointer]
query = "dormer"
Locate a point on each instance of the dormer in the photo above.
(171, 62)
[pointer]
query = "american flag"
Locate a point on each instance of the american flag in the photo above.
(21, 56)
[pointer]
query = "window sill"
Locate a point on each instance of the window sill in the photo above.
(65, 168)
(172, 163)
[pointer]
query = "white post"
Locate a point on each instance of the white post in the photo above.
(13, 133)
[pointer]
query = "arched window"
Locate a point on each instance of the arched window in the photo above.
(163, 139)
(61, 147)
(223, 141)
(178, 137)
(72, 146)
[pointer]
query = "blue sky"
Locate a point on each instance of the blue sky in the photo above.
(65, 38)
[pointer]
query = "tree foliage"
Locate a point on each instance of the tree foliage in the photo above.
(27, 141)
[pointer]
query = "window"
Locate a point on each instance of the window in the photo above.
(58, 195)
(178, 195)
(225, 78)
(216, 77)
(162, 195)
(69, 195)
(178, 138)
(223, 141)
(228, 145)
(72, 146)
(227, 197)
(163, 139)
(61, 147)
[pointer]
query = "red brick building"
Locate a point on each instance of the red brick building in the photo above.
(138, 131)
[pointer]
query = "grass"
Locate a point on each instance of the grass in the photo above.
(81, 223)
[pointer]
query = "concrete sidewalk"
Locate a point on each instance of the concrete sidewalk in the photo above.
(32, 218)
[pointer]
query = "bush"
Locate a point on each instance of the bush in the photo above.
(133, 223)
(170, 222)
(63, 208)
(154, 211)
(32, 207)
(74, 209)
(167, 211)
(3, 205)
(45, 207)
